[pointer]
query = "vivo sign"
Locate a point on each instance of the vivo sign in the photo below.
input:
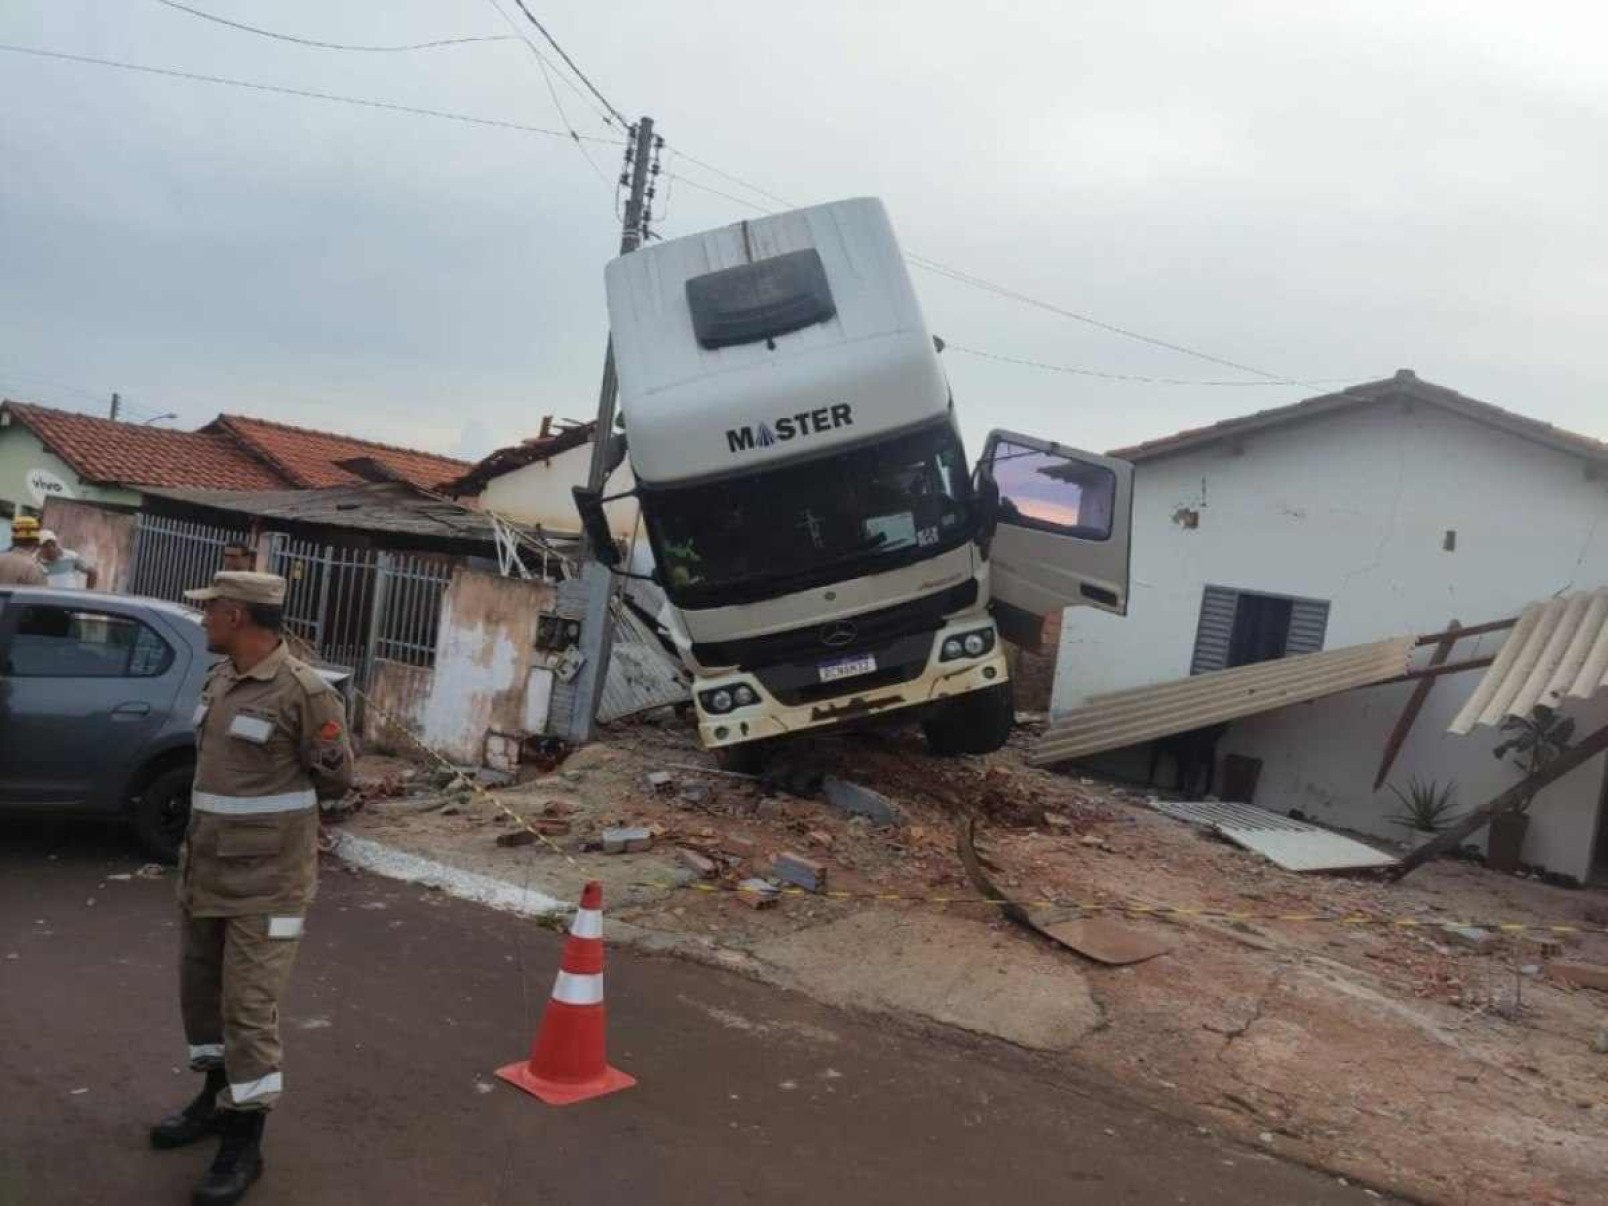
(43, 484)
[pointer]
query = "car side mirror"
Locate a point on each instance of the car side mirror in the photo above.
(589, 504)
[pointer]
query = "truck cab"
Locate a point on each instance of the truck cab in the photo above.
(827, 552)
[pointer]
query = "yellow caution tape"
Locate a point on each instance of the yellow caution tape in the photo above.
(472, 784)
(1123, 908)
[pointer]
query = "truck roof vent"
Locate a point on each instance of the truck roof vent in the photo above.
(760, 300)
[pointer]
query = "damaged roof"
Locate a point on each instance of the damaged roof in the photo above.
(1124, 718)
(1405, 386)
(1557, 650)
(529, 452)
(390, 507)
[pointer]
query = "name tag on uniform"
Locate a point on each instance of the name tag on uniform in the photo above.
(199, 715)
(255, 729)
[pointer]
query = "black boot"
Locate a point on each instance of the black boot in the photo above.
(238, 1162)
(195, 1121)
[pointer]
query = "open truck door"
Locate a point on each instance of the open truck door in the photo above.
(1061, 521)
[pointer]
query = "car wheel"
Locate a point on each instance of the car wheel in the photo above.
(978, 722)
(162, 812)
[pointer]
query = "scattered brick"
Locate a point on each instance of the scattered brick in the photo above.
(703, 867)
(820, 837)
(802, 872)
(519, 837)
(758, 893)
(662, 782)
(739, 847)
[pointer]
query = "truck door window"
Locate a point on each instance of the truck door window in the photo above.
(65, 642)
(1043, 490)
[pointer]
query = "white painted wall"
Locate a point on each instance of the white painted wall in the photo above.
(1354, 508)
(540, 493)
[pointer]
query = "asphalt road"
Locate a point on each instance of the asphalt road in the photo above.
(403, 1004)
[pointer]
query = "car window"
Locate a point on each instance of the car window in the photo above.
(71, 642)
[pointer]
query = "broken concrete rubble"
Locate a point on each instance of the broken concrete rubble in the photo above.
(859, 801)
(1581, 975)
(627, 840)
(1471, 937)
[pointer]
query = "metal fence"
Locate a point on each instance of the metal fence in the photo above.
(329, 596)
(409, 608)
(172, 556)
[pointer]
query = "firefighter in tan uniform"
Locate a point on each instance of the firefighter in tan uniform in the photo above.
(271, 742)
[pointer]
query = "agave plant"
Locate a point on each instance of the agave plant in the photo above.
(1427, 807)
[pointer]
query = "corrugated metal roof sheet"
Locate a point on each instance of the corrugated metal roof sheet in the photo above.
(1122, 718)
(1292, 844)
(641, 674)
(1558, 648)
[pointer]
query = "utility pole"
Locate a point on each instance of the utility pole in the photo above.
(117, 405)
(597, 627)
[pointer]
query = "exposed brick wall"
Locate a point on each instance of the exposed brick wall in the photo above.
(1034, 672)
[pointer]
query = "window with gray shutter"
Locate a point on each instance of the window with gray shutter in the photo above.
(1240, 627)
(1216, 628)
(1309, 620)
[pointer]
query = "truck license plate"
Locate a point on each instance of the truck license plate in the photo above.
(847, 667)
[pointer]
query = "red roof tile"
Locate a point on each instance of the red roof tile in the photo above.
(104, 451)
(309, 458)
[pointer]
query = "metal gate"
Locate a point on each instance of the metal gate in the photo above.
(172, 556)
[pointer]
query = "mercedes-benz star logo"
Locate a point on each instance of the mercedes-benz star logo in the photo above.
(838, 634)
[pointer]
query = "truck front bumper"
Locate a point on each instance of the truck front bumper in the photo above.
(772, 718)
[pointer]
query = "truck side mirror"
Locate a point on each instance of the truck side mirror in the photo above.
(987, 496)
(589, 503)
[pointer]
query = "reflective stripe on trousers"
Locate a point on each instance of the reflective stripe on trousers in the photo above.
(245, 806)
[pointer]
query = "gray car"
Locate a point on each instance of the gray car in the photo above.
(98, 695)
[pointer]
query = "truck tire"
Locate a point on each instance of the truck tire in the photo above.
(162, 812)
(978, 722)
(745, 759)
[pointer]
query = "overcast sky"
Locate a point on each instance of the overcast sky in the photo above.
(1326, 196)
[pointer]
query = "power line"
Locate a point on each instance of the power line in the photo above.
(563, 54)
(1083, 372)
(284, 37)
(547, 78)
(412, 110)
(988, 286)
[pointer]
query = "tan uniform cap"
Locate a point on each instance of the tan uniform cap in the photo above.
(243, 586)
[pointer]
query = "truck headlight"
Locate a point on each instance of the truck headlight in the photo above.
(721, 700)
(969, 644)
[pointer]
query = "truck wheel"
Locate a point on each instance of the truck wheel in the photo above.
(162, 812)
(975, 723)
(745, 759)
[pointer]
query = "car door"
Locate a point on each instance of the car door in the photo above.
(83, 688)
(1061, 534)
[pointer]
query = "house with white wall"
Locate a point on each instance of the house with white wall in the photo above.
(530, 482)
(1387, 509)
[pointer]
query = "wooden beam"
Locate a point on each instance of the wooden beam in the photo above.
(1508, 801)
(1415, 704)
(1413, 676)
(1436, 638)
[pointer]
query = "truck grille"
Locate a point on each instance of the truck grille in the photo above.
(873, 629)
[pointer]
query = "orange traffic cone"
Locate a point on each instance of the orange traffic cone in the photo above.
(567, 1061)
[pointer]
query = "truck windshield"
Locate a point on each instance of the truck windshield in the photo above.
(790, 527)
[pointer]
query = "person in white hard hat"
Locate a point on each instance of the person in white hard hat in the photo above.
(61, 565)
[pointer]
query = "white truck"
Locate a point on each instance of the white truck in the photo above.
(826, 553)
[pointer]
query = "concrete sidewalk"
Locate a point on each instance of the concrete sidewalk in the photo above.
(406, 1000)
